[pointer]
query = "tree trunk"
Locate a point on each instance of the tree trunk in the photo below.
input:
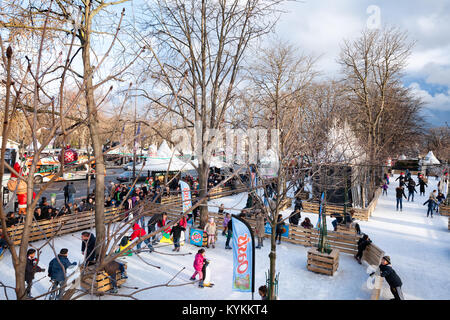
(94, 133)
(273, 259)
(203, 183)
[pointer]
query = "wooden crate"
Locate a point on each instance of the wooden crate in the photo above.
(322, 262)
(102, 282)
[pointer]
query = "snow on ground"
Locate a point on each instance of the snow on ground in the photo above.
(419, 250)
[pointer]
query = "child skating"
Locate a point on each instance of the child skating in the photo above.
(199, 260)
(210, 230)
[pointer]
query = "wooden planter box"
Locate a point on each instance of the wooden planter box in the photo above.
(444, 210)
(102, 282)
(322, 262)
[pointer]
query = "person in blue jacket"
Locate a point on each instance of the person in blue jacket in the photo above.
(57, 272)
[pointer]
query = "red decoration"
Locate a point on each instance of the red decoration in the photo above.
(70, 156)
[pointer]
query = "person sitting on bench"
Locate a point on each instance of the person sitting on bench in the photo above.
(111, 269)
(339, 220)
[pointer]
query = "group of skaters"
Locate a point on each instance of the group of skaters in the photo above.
(435, 198)
(59, 265)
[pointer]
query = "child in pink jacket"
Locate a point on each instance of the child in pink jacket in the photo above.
(198, 265)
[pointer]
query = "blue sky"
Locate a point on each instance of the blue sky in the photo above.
(319, 26)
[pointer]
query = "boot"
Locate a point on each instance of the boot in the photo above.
(200, 284)
(123, 275)
(113, 290)
(174, 249)
(213, 245)
(178, 249)
(192, 278)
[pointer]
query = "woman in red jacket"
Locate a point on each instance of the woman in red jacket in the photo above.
(139, 232)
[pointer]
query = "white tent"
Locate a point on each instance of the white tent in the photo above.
(430, 159)
(161, 161)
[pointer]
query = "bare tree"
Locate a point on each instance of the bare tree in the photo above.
(197, 49)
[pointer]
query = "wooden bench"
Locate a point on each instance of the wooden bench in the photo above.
(346, 228)
(102, 281)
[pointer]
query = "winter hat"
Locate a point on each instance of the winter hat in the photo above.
(388, 259)
(64, 251)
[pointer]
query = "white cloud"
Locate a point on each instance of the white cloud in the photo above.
(439, 101)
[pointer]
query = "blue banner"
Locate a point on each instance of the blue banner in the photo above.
(196, 237)
(243, 256)
(185, 195)
(268, 230)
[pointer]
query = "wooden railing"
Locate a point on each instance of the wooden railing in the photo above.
(45, 229)
(362, 214)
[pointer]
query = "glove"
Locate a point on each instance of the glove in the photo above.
(74, 263)
(372, 274)
(42, 270)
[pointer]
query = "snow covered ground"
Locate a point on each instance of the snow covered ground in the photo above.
(419, 248)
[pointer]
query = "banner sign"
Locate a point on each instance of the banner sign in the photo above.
(185, 195)
(243, 256)
(196, 237)
(268, 230)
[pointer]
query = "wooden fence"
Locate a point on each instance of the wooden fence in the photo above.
(45, 229)
(362, 214)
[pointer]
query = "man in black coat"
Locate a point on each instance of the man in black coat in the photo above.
(88, 247)
(229, 234)
(57, 272)
(157, 217)
(298, 203)
(422, 185)
(363, 242)
(30, 269)
(401, 179)
(411, 189)
(295, 217)
(394, 281)
(176, 232)
(399, 193)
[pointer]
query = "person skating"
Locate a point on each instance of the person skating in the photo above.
(260, 229)
(199, 260)
(229, 234)
(57, 270)
(30, 269)
(295, 217)
(411, 189)
(385, 188)
(431, 203)
(401, 179)
(279, 228)
(176, 232)
(394, 281)
(88, 247)
(225, 223)
(155, 220)
(422, 186)
(139, 232)
(399, 193)
(440, 199)
(298, 204)
(363, 242)
(210, 230)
